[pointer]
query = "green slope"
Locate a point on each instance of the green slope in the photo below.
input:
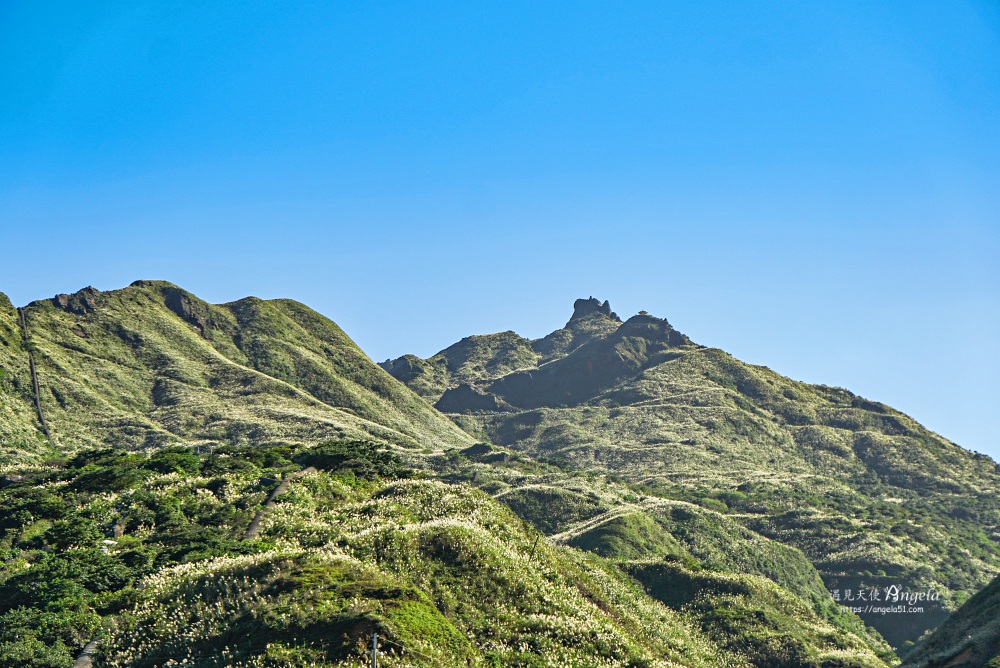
(152, 365)
(598, 365)
(21, 436)
(862, 490)
(439, 569)
(471, 360)
(970, 638)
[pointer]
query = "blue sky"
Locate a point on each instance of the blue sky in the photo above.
(810, 186)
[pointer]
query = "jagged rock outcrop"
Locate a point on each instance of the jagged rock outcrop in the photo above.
(480, 360)
(81, 302)
(585, 307)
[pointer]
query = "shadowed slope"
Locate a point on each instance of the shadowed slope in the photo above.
(472, 360)
(597, 365)
(478, 360)
(970, 638)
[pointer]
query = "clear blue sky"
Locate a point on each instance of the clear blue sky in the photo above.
(813, 186)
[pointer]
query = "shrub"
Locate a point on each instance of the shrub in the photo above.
(75, 532)
(175, 459)
(365, 460)
(30, 652)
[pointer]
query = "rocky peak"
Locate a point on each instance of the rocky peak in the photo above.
(585, 307)
(81, 302)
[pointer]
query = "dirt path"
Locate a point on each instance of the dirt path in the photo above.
(85, 659)
(34, 380)
(254, 527)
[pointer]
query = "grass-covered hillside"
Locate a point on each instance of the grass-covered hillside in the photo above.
(612, 494)
(968, 639)
(471, 360)
(21, 436)
(154, 554)
(151, 365)
(872, 498)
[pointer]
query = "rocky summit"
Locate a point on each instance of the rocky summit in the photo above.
(240, 485)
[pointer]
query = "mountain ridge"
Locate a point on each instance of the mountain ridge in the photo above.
(674, 418)
(154, 357)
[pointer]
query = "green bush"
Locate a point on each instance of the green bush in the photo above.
(175, 459)
(64, 579)
(261, 456)
(365, 460)
(73, 628)
(30, 652)
(75, 532)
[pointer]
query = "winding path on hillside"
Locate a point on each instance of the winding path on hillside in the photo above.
(282, 487)
(85, 659)
(34, 379)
